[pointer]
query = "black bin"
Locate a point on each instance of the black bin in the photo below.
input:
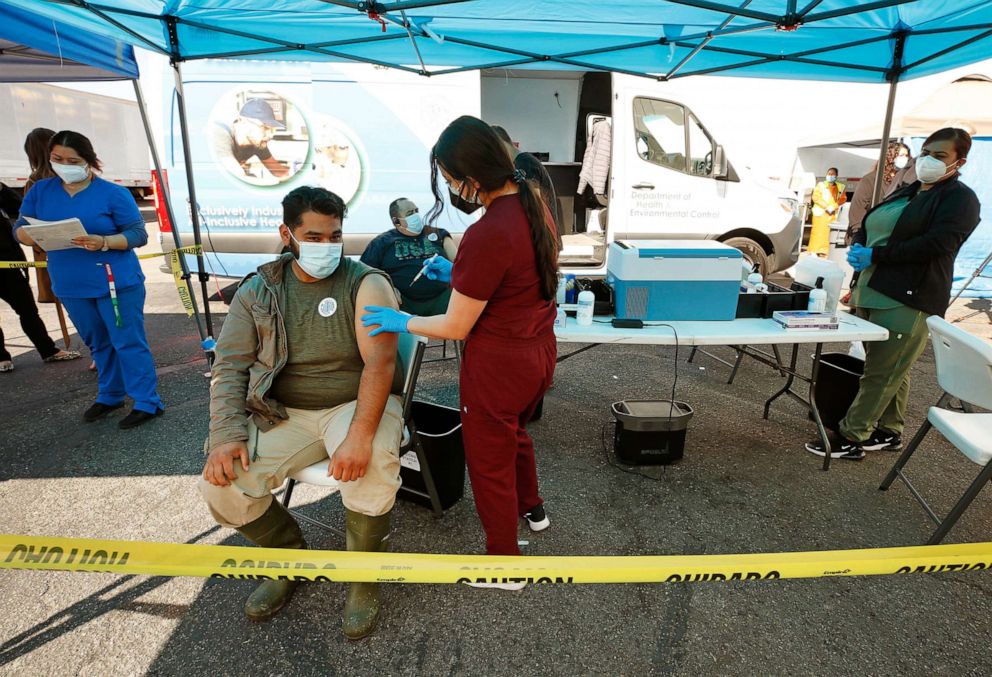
(801, 299)
(750, 306)
(778, 298)
(837, 385)
(439, 432)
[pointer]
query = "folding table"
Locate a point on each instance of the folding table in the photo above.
(742, 333)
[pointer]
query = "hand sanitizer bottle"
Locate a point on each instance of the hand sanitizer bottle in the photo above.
(753, 280)
(818, 298)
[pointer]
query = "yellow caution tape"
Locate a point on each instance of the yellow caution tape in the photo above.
(181, 286)
(192, 249)
(222, 561)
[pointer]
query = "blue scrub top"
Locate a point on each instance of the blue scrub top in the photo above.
(104, 209)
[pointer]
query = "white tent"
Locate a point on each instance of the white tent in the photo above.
(964, 103)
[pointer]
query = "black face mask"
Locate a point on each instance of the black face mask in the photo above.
(461, 204)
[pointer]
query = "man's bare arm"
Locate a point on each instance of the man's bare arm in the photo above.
(351, 458)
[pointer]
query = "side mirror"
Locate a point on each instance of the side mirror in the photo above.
(721, 167)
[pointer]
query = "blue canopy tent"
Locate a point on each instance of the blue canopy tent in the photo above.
(38, 48)
(818, 39)
(881, 41)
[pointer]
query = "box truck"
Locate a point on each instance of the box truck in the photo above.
(112, 124)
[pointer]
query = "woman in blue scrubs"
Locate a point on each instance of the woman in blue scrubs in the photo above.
(114, 332)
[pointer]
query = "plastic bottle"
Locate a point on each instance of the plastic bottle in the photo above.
(561, 319)
(560, 296)
(753, 280)
(583, 314)
(810, 268)
(818, 298)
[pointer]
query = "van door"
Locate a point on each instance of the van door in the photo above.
(665, 182)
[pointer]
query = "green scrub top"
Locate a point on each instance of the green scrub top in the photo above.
(879, 226)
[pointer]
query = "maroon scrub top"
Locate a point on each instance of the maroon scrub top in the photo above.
(496, 263)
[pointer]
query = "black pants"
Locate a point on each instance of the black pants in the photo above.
(15, 290)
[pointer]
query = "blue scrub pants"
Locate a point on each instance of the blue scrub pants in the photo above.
(123, 359)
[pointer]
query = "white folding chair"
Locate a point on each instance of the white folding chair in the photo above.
(410, 354)
(964, 371)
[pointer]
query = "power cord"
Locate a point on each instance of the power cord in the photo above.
(675, 380)
(671, 408)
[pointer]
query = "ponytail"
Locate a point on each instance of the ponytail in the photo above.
(469, 147)
(541, 237)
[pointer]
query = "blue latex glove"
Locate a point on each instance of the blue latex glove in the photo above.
(859, 257)
(438, 268)
(385, 319)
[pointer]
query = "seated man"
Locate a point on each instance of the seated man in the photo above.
(294, 354)
(401, 253)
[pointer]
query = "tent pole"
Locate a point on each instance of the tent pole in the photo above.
(893, 77)
(164, 195)
(194, 207)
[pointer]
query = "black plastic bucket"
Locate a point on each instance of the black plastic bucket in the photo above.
(836, 386)
(439, 432)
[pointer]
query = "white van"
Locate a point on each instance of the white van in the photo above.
(366, 132)
(669, 178)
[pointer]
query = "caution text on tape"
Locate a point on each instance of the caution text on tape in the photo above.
(219, 561)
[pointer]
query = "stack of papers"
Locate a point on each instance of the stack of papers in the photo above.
(805, 320)
(54, 235)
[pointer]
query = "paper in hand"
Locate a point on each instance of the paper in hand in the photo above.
(54, 235)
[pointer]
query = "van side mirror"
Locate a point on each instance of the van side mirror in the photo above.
(720, 165)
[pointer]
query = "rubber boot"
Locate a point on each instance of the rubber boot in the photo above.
(276, 528)
(361, 608)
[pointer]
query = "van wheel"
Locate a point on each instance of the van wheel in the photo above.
(753, 253)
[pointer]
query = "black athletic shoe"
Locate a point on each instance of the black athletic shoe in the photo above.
(882, 440)
(537, 519)
(99, 410)
(136, 418)
(840, 447)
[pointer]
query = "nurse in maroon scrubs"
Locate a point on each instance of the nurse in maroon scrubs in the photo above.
(503, 282)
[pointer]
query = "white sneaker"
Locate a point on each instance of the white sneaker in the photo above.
(517, 585)
(537, 519)
(6, 366)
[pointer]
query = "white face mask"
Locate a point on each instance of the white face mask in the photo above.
(901, 162)
(318, 259)
(71, 173)
(931, 170)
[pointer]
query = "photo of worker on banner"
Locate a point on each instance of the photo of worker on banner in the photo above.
(260, 137)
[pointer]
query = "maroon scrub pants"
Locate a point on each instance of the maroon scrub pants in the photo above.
(502, 382)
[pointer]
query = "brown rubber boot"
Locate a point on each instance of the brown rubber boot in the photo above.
(361, 608)
(276, 528)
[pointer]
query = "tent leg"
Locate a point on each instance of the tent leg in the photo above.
(194, 210)
(893, 76)
(176, 238)
(978, 273)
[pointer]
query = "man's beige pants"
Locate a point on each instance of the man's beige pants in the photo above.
(309, 437)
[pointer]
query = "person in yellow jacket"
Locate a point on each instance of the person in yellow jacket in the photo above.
(828, 196)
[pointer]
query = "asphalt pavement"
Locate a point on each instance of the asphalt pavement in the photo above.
(745, 485)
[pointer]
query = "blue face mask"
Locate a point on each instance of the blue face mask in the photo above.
(831, 179)
(413, 223)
